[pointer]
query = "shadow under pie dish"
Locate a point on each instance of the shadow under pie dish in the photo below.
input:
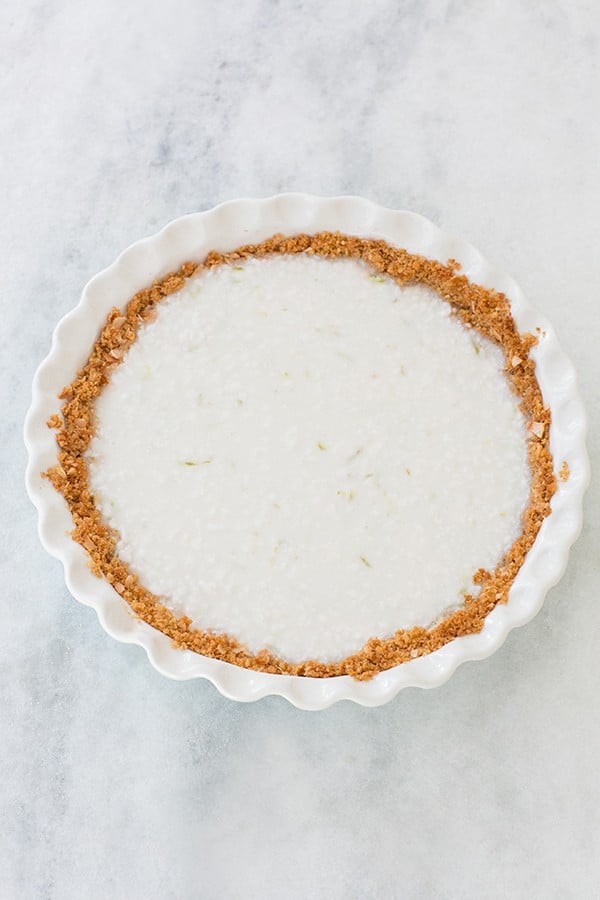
(308, 447)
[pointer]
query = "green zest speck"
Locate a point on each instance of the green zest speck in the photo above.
(193, 462)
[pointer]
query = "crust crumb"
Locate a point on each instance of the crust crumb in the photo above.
(477, 307)
(564, 471)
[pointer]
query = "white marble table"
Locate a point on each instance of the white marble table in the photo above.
(119, 116)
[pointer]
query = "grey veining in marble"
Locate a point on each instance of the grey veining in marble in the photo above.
(119, 116)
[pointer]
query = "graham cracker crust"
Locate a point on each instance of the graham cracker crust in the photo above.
(476, 306)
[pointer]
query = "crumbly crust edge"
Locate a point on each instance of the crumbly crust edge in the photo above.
(477, 307)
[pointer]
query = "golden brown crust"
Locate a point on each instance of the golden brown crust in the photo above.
(563, 472)
(477, 307)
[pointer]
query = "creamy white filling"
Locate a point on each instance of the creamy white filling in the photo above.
(305, 455)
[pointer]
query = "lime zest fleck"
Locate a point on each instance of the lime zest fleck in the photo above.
(321, 445)
(365, 562)
(194, 462)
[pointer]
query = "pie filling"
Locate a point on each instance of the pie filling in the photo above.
(320, 455)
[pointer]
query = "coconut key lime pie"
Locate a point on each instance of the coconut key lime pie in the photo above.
(318, 455)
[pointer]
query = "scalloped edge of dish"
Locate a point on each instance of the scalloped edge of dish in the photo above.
(251, 220)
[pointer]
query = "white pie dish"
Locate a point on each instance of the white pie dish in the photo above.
(224, 228)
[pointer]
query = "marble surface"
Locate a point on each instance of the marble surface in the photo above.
(117, 117)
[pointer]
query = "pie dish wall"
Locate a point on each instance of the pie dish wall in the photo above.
(224, 228)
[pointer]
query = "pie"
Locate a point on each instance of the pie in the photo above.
(320, 455)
